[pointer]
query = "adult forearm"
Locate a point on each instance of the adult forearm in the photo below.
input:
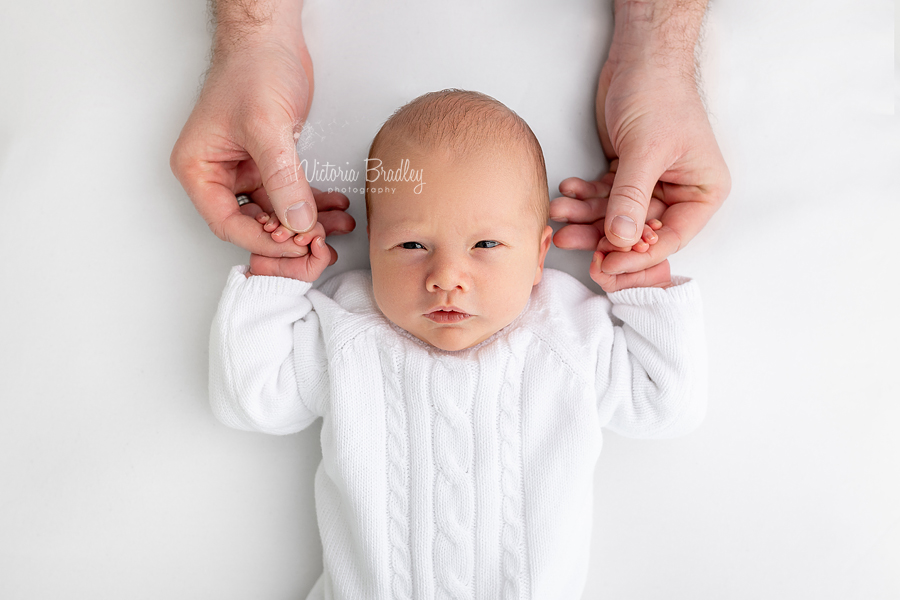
(244, 27)
(243, 24)
(663, 33)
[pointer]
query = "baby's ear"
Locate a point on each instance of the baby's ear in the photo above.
(544, 246)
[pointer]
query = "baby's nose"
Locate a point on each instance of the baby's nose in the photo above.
(446, 274)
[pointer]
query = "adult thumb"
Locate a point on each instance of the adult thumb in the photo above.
(284, 180)
(629, 200)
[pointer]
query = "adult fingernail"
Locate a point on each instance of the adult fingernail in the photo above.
(623, 227)
(300, 216)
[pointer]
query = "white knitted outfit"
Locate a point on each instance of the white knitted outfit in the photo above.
(469, 474)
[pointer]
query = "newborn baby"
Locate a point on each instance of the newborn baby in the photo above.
(462, 386)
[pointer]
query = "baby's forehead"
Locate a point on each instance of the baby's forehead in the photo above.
(491, 201)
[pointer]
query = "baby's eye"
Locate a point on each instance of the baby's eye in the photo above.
(491, 244)
(412, 245)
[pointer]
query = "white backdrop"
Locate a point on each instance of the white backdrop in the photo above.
(115, 480)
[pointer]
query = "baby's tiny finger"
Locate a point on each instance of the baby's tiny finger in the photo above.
(282, 234)
(304, 239)
(654, 224)
(271, 223)
(641, 246)
(648, 236)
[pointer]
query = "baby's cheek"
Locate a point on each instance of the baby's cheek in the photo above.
(389, 294)
(512, 295)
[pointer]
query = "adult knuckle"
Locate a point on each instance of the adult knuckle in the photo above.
(222, 228)
(630, 194)
(218, 228)
(283, 176)
(179, 160)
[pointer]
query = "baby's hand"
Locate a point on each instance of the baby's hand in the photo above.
(655, 276)
(648, 238)
(332, 214)
(273, 226)
(304, 268)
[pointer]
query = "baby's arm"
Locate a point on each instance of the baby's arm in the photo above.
(266, 355)
(652, 366)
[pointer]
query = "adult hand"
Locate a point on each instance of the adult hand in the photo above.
(241, 135)
(649, 117)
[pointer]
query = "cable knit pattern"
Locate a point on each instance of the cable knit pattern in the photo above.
(398, 484)
(465, 474)
(453, 488)
(510, 481)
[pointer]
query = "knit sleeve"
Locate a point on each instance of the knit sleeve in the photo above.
(261, 327)
(652, 371)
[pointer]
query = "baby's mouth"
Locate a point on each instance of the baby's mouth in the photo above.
(447, 316)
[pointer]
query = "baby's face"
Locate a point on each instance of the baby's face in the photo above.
(468, 242)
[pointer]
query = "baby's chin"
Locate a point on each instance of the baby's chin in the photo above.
(452, 346)
(450, 339)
